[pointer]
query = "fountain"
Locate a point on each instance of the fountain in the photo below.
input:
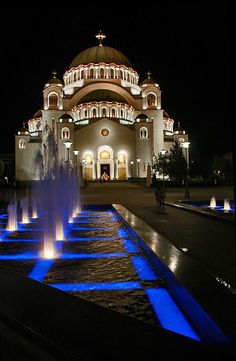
(12, 216)
(227, 207)
(213, 202)
(24, 204)
(96, 250)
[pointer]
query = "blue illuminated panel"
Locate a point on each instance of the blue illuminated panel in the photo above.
(82, 239)
(130, 246)
(91, 255)
(107, 286)
(143, 269)
(41, 269)
(122, 233)
(169, 314)
(20, 256)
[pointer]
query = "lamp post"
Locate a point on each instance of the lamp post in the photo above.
(132, 166)
(186, 145)
(165, 160)
(76, 152)
(68, 145)
(138, 161)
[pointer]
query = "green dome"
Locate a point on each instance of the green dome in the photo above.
(98, 54)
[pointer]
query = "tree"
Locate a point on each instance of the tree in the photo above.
(177, 162)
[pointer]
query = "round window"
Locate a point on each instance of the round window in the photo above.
(105, 132)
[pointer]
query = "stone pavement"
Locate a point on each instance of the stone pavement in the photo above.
(210, 241)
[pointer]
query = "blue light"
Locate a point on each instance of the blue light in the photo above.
(21, 240)
(83, 239)
(90, 221)
(92, 228)
(169, 314)
(41, 269)
(122, 233)
(20, 256)
(91, 255)
(143, 269)
(106, 286)
(130, 246)
(5, 215)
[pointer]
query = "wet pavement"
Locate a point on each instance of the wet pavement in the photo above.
(208, 240)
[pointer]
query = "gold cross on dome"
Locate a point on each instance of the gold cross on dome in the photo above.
(148, 74)
(54, 73)
(100, 36)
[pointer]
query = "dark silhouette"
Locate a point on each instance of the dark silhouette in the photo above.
(159, 195)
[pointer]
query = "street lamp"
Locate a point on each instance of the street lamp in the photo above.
(132, 166)
(138, 161)
(186, 145)
(76, 152)
(165, 160)
(68, 145)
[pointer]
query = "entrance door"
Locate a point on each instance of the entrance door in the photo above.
(105, 171)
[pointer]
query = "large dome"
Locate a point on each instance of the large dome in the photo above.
(102, 95)
(98, 54)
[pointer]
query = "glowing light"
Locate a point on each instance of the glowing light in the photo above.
(143, 269)
(72, 287)
(169, 314)
(226, 205)
(59, 231)
(130, 246)
(213, 202)
(91, 255)
(122, 233)
(40, 270)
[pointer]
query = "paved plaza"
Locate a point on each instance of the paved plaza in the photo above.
(211, 241)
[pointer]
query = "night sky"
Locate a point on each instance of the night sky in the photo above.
(185, 45)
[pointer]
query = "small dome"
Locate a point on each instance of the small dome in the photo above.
(179, 129)
(23, 129)
(142, 116)
(149, 80)
(102, 95)
(66, 117)
(165, 114)
(54, 80)
(38, 114)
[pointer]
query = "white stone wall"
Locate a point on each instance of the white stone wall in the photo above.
(25, 166)
(88, 139)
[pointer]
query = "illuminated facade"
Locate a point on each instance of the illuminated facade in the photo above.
(116, 123)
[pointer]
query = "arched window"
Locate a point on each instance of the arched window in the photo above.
(65, 133)
(53, 100)
(94, 112)
(88, 158)
(85, 113)
(104, 112)
(113, 112)
(121, 159)
(105, 154)
(122, 113)
(53, 127)
(91, 73)
(22, 144)
(112, 73)
(102, 73)
(151, 99)
(143, 132)
(82, 74)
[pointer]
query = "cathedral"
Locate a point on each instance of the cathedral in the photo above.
(100, 118)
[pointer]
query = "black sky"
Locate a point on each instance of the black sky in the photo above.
(185, 45)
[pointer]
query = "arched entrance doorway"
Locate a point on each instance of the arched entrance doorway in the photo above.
(105, 164)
